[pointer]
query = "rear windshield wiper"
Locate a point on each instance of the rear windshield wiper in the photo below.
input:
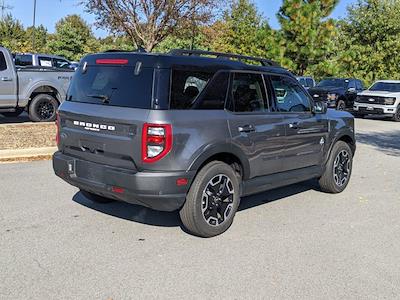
(104, 98)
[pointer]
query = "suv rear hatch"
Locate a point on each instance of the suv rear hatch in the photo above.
(107, 104)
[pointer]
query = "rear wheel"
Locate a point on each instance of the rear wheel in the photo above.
(43, 108)
(338, 169)
(396, 116)
(212, 201)
(341, 105)
(96, 198)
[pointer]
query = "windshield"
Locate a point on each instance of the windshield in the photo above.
(112, 85)
(386, 87)
(333, 82)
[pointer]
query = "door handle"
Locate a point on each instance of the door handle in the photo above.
(294, 125)
(6, 79)
(246, 128)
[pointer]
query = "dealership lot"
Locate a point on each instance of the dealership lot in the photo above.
(293, 242)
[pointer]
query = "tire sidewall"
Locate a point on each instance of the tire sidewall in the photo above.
(34, 116)
(337, 148)
(216, 169)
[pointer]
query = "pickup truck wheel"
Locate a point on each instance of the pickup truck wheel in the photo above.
(43, 108)
(341, 105)
(96, 198)
(212, 200)
(13, 114)
(338, 169)
(396, 116)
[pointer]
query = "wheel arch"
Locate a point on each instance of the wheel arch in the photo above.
(45, 89)
(225, 153)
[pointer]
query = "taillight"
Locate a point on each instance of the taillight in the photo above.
(111, 61)
(58, 129)
(156, 141)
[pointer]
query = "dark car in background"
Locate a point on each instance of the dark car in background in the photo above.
(339, 93)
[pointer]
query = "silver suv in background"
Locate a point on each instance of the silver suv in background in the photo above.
(42, 60)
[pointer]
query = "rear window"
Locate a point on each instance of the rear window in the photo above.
(23, 60)
(112, 85)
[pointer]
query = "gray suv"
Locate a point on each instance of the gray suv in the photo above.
(195, 131)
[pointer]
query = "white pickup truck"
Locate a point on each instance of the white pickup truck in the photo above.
(37, 90)
(382, 98)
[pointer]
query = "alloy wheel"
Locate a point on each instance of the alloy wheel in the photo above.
(341, 168)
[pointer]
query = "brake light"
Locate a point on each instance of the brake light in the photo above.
(156, 141)
(58, 129)
(111, 61)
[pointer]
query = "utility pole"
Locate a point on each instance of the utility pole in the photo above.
(34, 20)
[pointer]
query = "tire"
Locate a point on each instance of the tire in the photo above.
(96, 198)
(396, 116)
(331, 182)
(341, 105)
(43, 108)
(197, 214)
(13, 114)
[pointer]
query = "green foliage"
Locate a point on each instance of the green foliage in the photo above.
(41, 36)
(307, 33)
(73, 38)
(12, 33)
(369, 43)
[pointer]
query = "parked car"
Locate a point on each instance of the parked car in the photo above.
(42, 60)
(189, 132)
(38, 90)
(338, 93)
(306, 81)
(382, 98)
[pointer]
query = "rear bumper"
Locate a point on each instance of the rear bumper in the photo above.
(156, 190)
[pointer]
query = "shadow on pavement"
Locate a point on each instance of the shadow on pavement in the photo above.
(23, 118)
(148, 216)
(387, 142)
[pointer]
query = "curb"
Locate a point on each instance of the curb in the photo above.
(28, 154)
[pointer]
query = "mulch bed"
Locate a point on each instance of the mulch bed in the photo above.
(22, 136)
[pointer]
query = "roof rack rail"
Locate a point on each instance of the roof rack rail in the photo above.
(263, 61)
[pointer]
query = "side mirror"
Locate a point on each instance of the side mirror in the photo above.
(352, 90)
(320, 107)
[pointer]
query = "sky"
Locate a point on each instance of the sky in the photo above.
(48, 12)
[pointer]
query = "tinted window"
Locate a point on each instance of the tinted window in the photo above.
(248, 93)
(214, 95)
(23, 60)
(290, 97)
(112, 85)
(310, 82)
(386, 86)
(61, 63)
(360, 86)
(302, 81)
(352, 84)
(3, 64)
(186, 86)
(44, 61)
(333, 82)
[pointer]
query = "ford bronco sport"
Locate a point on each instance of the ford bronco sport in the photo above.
(195, 131)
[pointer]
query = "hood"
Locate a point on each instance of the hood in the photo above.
(326, 89)
(378, 93)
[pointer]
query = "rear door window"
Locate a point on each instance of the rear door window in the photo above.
(214, 94)
(310, 82)
(248, 93)
(112, 85)
(45, 61)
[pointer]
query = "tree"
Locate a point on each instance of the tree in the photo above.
(307, 33)
(73, 38)
(12, 33)
(41, 36)
(149, 22)
(369, 40)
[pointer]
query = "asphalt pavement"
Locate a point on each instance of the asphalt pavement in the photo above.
(290, 243)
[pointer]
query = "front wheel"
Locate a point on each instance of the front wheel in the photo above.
(338, 169)
(43, 108)
(212, 201)
(396, 116)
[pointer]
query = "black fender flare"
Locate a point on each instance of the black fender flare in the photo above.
(219, 148)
